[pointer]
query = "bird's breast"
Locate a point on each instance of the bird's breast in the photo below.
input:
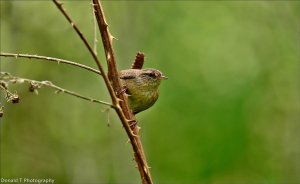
(143, 100)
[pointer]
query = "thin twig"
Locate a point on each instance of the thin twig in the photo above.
(95, 31)
(34, 85)
(45, 58)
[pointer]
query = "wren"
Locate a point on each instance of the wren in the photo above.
(141, 87)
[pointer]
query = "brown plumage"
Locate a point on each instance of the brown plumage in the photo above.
(139, 61)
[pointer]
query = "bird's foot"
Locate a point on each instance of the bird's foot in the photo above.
(132, 123)
(122, 91)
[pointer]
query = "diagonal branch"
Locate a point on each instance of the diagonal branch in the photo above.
(113, 75)
(120, 101)
(115, 100)
(50, 59)
(107, 42)
(84, 40)
(35, 85)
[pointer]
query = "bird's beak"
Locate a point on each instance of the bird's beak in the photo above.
(163, 77)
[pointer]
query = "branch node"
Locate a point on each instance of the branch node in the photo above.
(113, 37)
(12, 97)
(33, 87)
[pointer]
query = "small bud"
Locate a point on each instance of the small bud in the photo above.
(15, 99)
(58, 91)
(4, 84)
(33, 87)
(1, 111)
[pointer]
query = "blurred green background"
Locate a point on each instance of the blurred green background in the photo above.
(229, 113)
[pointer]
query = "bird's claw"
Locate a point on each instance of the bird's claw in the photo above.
(132, 123)
(122, 91)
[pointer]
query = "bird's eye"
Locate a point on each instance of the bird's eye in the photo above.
(152, 75)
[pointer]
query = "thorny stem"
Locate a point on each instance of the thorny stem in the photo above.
(6, 77)
(121, 104)
(113, 75)
(112, 93)
(49, 59)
